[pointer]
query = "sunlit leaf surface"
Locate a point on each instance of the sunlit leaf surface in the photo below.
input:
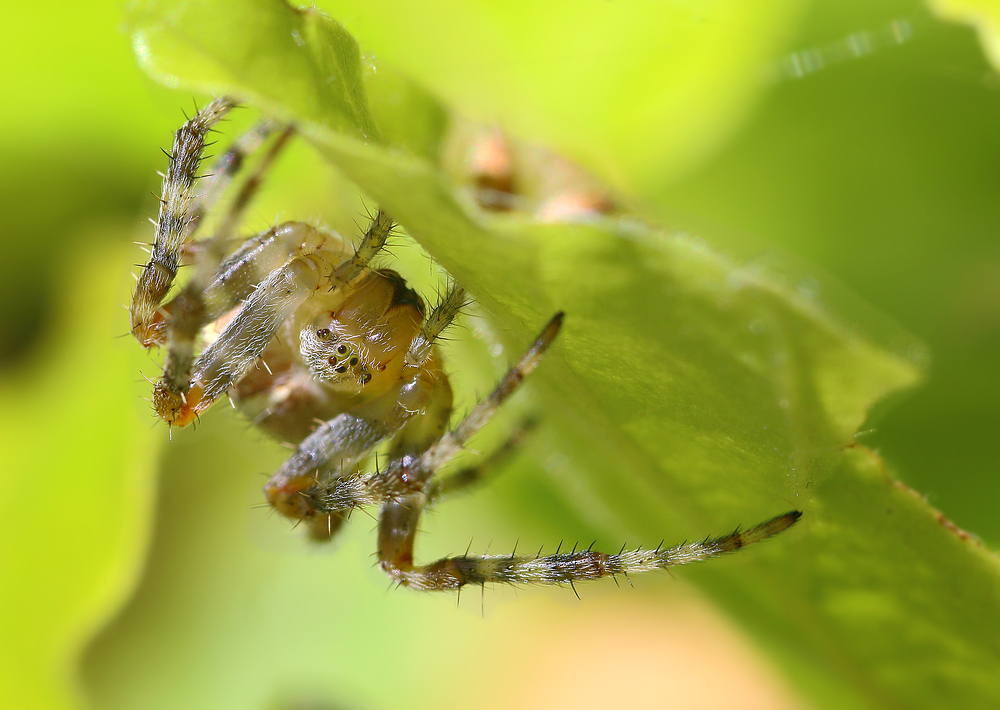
(983, 15)
(639, 91)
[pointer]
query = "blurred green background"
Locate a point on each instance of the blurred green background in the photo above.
(881, 171)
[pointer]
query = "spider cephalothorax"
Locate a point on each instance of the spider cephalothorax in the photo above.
(323, 350)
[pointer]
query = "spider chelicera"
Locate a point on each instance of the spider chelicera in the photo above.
(323, 350)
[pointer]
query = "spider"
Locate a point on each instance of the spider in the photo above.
(321, 349)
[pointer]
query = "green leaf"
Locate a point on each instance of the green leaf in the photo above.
(76, 508)
(687, 393)
(662, 83)
(665, 83)
(983, 15)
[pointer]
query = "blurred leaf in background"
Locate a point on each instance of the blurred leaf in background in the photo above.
(663, 407)
(78, 454)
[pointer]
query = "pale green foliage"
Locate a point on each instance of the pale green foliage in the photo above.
(983, 15)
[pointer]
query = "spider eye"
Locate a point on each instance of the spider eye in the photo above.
(353, 362)
(332, 360)
(342, 349)
(366, 378)
(323, 333)
(342, 369)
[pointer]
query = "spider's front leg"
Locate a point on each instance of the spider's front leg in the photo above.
(181, 211)
(316, 264)
(198, 303)
(344, 440)
(232, 354)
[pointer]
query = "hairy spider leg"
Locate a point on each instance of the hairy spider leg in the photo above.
(398, 526)
(311, 268)
(460, 481)
(407, 476)
(346, 440)
(174, 223)
(418, 432)
(251, 263)
(188, 312)
(450, 305)
(223, 170)
(248, 190)
(439, 487)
